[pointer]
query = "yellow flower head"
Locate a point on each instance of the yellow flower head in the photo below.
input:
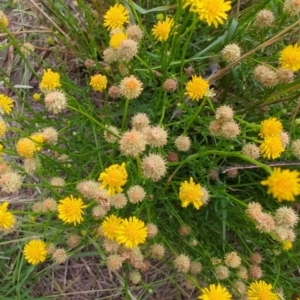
(35, 252)
(114, 177)
(50, 81)
(7, 219)
(36, 97)
(110, 225)
(2, 128)
(290, 58)
(116, 17)
(117, 39)
(283, 184)
(162, 29)
(38, 139)
(98, 82)
(197, 88)
(26, 147)
(3, 20)
(213, 11)
(131, 232)
(70, 210)
(287, 245)
(260, 290)
(6, 104)
(193, 4)
(189, 192)
(270, 127)
(215, 292)
(271, 147)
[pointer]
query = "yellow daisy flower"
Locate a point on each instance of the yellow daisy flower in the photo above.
(98, 82)
(38, 139)
(213, 11)
(260, 290)
(270, 127)
(116, 17)
(26, 147)
(283, 184)
(117, 39)
(35, 252)
(162, 29)
(7, 219)
(271, 147)
(114, 177)
(290, 58)
(197, 88)
(70, 210)
(6, 104)
(50, 81)
(192, 3)
(189, 192)
(110, 225)
(287, 245)
(3, 20)
(131, 232)
(215, 292)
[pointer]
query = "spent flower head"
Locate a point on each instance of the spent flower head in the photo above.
(131, 87)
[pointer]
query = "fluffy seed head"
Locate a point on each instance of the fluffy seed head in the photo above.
(231, 53)
(27, 49)
(114, 92)
(254, 211)
(55, 102)
(5, 168)
(58, 183)
(134, 32)
(88, 188)
(265, 223)
(152, 230)
(131, 87)
(215, 128)
(73, 240)
(265, 76)
(286, 216)
(264, 18)
(251, 150)
(242, 273)
(114, 262)
(127, 50)
(232, 260)
(110, 246)
(195, 267)
(239, 288)
(136, 194)
(110, 55)
(182, 263)
(140, 121)
(224, 113)
(10, 182)
(135, 277)
(183, 143)
(153, 167)
(49, 204)
(132, 143)
(255, 272)
(157, 251)
(184, 230)
(31, 165)
(284, 76)
(285, 138)
(99, 212)
(156, 136)
(118, 200)
(108, 136)
(295, 148)
(170, 85)
(232, 173)
(256, 258)
(206, 196)
(50, 136)
(221, 272)
(230, 130)
(59, 256)
(172, 157)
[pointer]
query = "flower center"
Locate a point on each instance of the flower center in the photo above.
(132, 85)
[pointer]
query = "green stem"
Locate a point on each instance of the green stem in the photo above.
(125, 114)
(192, 119)
(138, 163)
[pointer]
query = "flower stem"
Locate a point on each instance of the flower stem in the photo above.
(125, 114)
